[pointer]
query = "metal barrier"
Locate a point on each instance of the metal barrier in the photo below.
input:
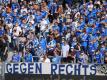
(37, 58)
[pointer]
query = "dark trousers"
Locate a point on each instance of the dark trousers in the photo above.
(2, 56)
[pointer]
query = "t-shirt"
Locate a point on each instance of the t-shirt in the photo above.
(47, 60)
(98, 58)
(18, 30)
(16, 58)
(52, 43)
(1, 32)
(38, 18)
(84, 40)
(43, 43)
(28, 57)
(43, 25)
(65, 49)
(24, 10)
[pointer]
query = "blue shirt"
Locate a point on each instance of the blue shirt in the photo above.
(53, 8)
(91, 48)
(98, 58)
(88, 30)
(32, 27)
(4, 14)
(16, 58)
(69, 1)
(17, 21)
(56, 28)
(43, 43)
(38, 18)
(77, 54)
(84, 39)
(96, 44)
(1, 32)
(43, 13)
(73, 43)
(28, 57)
(14, 5)
(52, 43)
(64, 28)
(82, 25)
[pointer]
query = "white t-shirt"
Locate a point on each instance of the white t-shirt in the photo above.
(43, 25)
(65, 50)
(18, 30)
(10, 26)
(31, 18)
(24, 10)
(47, 60)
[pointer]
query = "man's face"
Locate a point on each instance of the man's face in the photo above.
(16, 24)
(24, 21)
(91, 2)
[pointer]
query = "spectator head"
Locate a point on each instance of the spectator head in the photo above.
(56, 23)
(65, 42)
(15, 52)
(45, 56)
(38, 12)
(58, 45)
(24, 21)
(91, 2)
(16, 25)
(36, 7)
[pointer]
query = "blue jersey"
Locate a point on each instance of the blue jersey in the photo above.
(52, 43)
(16, 58)
(43, 43)
(84, 40)
(1, 32)
(99, 57)
(28, 57)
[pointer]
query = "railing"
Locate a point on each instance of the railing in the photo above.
(37, 58)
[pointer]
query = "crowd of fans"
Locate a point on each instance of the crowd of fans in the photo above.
(54, 31)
